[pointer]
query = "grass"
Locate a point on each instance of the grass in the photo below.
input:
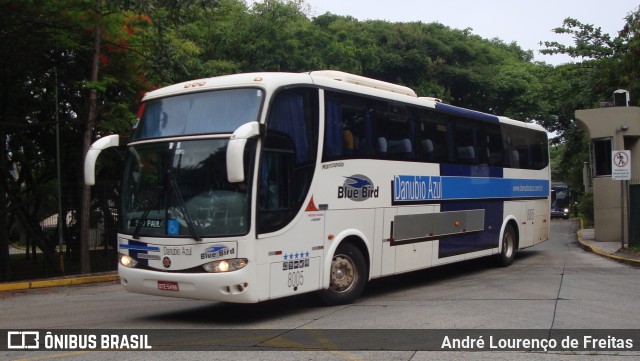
(634, 248)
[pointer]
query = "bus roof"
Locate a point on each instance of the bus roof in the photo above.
(328, 79)
(266, 81)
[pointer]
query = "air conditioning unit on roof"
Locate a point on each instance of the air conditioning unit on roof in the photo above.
(364, 81)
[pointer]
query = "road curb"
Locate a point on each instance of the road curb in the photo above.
(591, 248)
(57, 282)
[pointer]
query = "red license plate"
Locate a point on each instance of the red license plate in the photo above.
(168, 286)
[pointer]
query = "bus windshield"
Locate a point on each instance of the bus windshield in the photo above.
(560, 196)
(221, 111)
(180, 189)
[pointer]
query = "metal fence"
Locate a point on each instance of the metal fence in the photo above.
(36, 250)
(634, 212)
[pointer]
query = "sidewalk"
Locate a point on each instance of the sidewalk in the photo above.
(62, 281)
(612, 250)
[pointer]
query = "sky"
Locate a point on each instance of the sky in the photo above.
(526, 22)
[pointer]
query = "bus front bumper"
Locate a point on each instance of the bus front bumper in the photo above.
(237, 286)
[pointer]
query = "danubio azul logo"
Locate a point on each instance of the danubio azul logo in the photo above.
(358, 188)
(407, 188)
(413, 188)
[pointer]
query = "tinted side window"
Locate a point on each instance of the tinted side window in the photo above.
(495, 150)
(468, 149)
(433, 137)
(349, 127)
(360, 127)
(395, 131)
(526, 148)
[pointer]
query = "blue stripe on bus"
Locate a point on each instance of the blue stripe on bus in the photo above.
(416, 189)
(478, 188)
(140, 247)
(453, 110)
(136, 248)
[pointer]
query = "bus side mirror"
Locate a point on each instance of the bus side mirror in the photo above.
(93, 153)
(235, 150)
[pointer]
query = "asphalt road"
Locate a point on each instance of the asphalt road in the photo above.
(553, 286)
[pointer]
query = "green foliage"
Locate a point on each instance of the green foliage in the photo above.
(585, 207)
(590, 41)
(605, 64)
(612, 63)
(45, 78)
(568, 157)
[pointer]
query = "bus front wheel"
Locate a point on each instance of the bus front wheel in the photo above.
(508, 247)
(347, 277)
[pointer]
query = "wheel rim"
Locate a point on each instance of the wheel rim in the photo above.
(507, 245)
(343, 274)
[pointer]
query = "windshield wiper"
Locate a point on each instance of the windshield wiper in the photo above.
(160, 190)
(190, 225)
(174, 186)
(147, 209)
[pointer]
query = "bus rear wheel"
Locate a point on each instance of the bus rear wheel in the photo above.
(347, 276)
(508, 247)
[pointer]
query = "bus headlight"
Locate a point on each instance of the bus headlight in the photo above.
(127, 261)
(225, 265)
(566, 210)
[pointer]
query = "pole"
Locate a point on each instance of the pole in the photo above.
(622, 214)
(60, 215)
(628, 197)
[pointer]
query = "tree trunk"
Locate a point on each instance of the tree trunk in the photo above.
(4, 224)
(85, 262)
(4, 183)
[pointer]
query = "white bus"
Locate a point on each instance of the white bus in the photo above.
(250, 187)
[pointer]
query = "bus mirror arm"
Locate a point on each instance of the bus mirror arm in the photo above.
(235, 150)
(93, 153)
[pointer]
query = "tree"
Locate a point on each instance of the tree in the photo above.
(614, 62)
(606, 64)
(26, 106)
(40, 39)
(87, 138)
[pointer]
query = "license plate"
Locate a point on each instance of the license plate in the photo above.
(168, 286)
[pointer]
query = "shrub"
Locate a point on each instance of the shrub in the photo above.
(585, 206)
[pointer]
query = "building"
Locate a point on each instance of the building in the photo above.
(616, 202)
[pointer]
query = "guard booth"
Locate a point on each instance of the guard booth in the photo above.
(615, 126)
